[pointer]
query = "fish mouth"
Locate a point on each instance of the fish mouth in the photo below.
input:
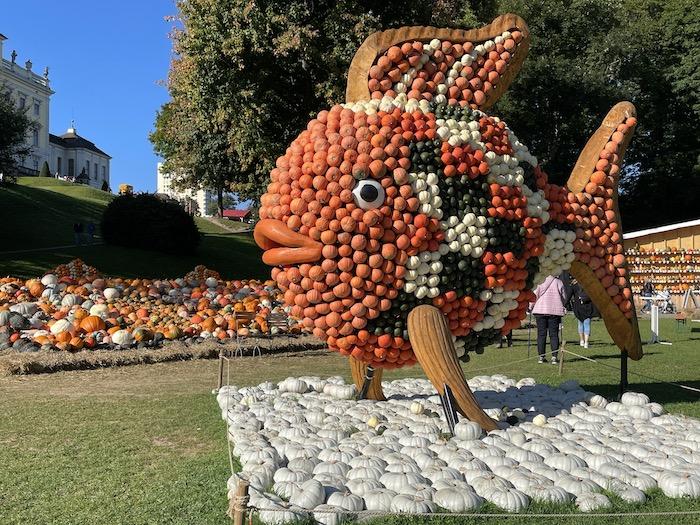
(283, 246)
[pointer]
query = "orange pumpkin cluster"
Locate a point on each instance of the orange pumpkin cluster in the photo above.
(364, 251)
(463, 160)
(593, 211)
(461, 312)
(507, 202)
(432, 64)
(87, 313)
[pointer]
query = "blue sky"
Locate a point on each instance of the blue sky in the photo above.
(106, 59)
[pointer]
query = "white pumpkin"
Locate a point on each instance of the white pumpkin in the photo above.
(540, 420)
(457, 500)
(111, 294)
(547, 493)
(361, 486)
(417, 408)
(468, 430)
(311, 494)
(577, 485)
(330, 515)
(286, 489)
(60, 326)
(49, 280)
(379, 499)
(285, 474)
(293, 385)
(634, 399)
(509, 499)
(122, 338)
(590, 501)
(346, 500)
(405, 503)
(678, 485)
(100, 310)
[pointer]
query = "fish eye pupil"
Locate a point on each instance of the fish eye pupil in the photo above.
(369, 193)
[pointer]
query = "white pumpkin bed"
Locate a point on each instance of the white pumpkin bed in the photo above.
(306, 446)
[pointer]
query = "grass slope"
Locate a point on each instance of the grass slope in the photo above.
(146, 444)
(39, 213)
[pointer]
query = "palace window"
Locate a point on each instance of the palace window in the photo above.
(22, 102)
(36, 109)
(35, 137)
(104, 172)
(58, 165)
(95, 177)
(71, 167)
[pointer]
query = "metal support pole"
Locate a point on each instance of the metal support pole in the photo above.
(529, 331)
(623, 372)
(369, 374)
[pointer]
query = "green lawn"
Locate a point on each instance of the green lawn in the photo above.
(146, 445)
(40, 212)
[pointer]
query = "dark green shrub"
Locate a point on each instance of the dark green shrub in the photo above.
(147, 222)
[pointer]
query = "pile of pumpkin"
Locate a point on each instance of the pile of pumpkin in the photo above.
(311, 452)
(74, 308)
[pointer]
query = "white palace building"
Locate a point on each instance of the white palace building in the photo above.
(69, 155)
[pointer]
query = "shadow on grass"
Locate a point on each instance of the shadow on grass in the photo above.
(658, 392)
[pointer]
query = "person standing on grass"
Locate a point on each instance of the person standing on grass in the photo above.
(76, 233)
(548, 309)
(582, 306)
(91, 232)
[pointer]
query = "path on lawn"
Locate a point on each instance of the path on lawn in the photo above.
(51, 248)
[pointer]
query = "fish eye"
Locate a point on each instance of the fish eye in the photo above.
(368, 194)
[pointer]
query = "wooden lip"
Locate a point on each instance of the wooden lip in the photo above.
(377, 43)
(283, 246)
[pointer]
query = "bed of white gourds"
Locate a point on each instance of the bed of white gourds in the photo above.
(308, 448)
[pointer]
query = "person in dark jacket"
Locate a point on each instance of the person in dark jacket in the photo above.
(583, 309)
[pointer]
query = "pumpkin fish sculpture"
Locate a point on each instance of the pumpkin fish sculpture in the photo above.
(411, 195)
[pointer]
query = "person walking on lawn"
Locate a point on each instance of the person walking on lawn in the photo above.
(548, 309)
(583, 309)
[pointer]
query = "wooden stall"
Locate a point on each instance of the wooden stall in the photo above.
(668, 257)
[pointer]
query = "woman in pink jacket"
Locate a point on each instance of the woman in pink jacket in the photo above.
(549, 309)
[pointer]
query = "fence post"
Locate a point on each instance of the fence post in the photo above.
(562, 349)
(240, 502)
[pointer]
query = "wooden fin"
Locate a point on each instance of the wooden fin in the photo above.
(432, 344)
(359, 371)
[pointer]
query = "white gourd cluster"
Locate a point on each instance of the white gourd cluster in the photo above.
(308, 449)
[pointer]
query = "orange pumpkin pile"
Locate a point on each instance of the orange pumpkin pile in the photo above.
(82, 310)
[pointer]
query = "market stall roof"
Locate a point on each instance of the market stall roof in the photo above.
(236, 214)
(661, 229)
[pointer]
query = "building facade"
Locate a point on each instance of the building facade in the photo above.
(75, 157)
(67, 155)
(32, 93)
(198, 202)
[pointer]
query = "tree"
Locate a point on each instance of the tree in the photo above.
(229, 202)
(15, 126)
(45, 170)
(105, 187)
(586, 56)
(248, 76)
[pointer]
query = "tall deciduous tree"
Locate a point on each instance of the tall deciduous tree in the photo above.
(15, 126)
(585, 56)
(247, 76)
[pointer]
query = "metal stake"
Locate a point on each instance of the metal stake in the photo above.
(623, 372)
(369, 374)
(448, 408)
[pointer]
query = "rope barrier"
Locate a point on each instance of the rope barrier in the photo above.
(540, 515)
(679, 385)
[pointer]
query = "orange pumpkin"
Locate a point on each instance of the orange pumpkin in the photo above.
(92, 323)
